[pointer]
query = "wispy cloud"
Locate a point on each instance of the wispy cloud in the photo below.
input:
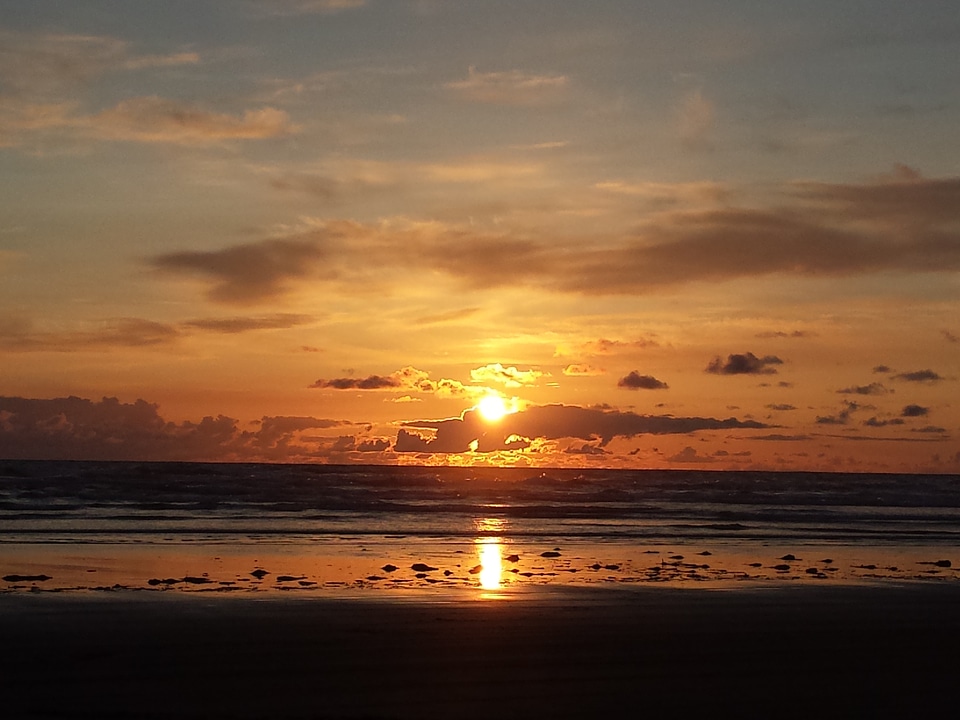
(509, 87)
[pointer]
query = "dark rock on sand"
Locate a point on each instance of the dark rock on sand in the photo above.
(943, 563)
(289, 578)
(448, 573)
(422, 567)
(755, 564)
(812, 571)
(550, 554)
(475, 569)
(789, 557)
(26, 578)
(827, 561)
(389, 568)
(611, 567)
(596, 566)
(197, 580)
(781, 568)
(512, 558)
(373, 578)
(259, 574)
(705, 552)
(165, 581)
(420, 575)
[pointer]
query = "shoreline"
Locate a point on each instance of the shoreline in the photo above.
(884, 648)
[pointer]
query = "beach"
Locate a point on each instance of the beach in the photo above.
(873, 650)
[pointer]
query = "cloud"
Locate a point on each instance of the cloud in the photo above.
(115, 332)
(635, 381)
(877, 422)
(549, 422)
(914, 411)
(920, 376)
(689, 455)
(744, 364)
(871, 389)
(810, 236)
(582, 370)
(950, 337)
(781, 407)
(780, 334)
(75, 428)
(234, 325)
(881, 369)
(246, 274)
(408, 378)
(842, 417)
(161, 120)
(508, 376)
(371, 382)
(510, 87)
(307, 7)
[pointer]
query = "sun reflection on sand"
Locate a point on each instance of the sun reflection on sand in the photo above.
(489, 546)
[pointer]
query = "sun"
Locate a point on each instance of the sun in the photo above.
(492, 408)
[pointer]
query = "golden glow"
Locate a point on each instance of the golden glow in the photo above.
(491, 566)
(492, 408)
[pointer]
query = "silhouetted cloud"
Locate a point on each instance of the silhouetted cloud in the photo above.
(877, 422)
(79, 429)
(780, 407)
(950, 337)
(551, 422)
(921, 376)
(881, 369)
(871, 389)
(305, 7)
(372, 382)
(744, 364)
(635, 381)
(245, 274)
(914, 411)
(408, 378)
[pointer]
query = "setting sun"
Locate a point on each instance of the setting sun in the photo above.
(492, 408)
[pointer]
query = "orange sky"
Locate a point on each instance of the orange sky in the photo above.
(690, 235)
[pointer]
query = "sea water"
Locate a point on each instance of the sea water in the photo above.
(229, 527)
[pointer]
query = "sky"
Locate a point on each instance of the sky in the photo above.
(690, 235)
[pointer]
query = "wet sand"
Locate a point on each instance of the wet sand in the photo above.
(875, 650)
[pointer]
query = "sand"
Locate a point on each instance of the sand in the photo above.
(885, 650)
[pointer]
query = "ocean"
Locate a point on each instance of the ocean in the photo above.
(200, 527)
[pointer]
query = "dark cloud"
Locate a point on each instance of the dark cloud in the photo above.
(75, 428)
(233, 325)
(636, 381)
(745, 364)
(914, 411)
(372, 382)
(922, 376)
(586, 449)
(930, 429)
(877, 422)
(871, 389)
(551, 422)
(950, 337)
(881, 369)
(246, 274)
(842, 417)
(775, 437)
(781, 407)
